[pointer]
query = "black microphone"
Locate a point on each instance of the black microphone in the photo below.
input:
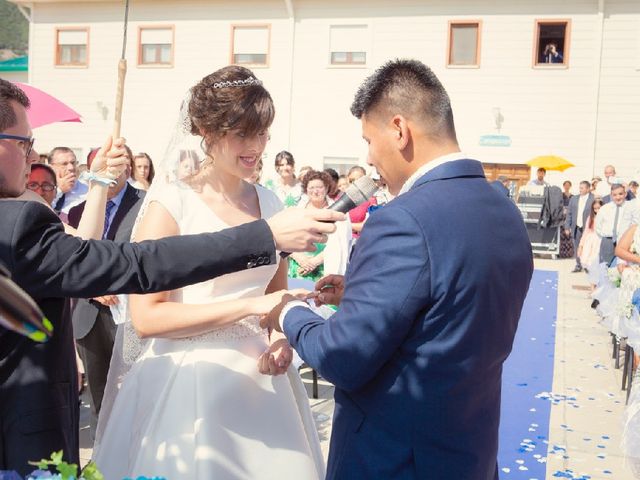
(19, 313)
(356, 194)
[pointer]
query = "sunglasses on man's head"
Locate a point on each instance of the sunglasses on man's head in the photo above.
(26, 143)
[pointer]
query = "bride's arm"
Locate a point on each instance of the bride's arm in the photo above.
(155, 315)
(623, 248)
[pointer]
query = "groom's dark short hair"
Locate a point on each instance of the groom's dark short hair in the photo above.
(411, 89)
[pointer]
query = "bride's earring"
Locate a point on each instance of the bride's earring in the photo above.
(208, 159)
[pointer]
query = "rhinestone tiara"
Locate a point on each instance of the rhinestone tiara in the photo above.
(238, 83)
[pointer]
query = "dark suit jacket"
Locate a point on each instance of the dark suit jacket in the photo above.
(85, 311)
(432, 301)
(571, 221)
(38, 382)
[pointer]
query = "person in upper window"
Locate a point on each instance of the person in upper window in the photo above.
(551, 54)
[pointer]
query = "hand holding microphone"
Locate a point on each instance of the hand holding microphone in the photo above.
(356, 194)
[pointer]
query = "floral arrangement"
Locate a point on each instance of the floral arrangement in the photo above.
(614, 276)
(65, 471)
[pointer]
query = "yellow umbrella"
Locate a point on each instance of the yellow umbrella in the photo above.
(550, 162)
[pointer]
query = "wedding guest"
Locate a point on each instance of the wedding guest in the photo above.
(343, 183)
(333, 192)
(70, 191)
(566, 192)
(286, 186)
(303, 171)
(539, 180)
(578, 212)
(589, 247)
(142, 171)
(358, 215)
(610, 222)
(595, 181)
(633, 188)
(42, 180)
(311, 265)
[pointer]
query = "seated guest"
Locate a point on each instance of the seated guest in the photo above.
(42, 180)
(332, 257)
(70, 191)
(142, 171)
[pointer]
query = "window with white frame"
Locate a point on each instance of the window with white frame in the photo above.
(250, 44)
(349, 44)
(464, 43)
(156, 46)
(340, 164)
(72, 46)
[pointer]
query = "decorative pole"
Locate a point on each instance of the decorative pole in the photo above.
(122, 71)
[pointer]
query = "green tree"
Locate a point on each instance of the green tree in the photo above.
(14, 28)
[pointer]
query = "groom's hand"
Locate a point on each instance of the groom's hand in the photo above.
(298, 229)
(329, 290)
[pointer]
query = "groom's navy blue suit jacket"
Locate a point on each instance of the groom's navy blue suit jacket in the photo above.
(432, 301)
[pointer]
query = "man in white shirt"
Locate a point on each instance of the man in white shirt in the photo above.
(539, 180)
(71, 192)
(604, 188)
(577, 214)
(610, 222)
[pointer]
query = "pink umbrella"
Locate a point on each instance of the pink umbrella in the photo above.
(46, 109)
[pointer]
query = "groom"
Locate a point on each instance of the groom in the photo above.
(430, 302)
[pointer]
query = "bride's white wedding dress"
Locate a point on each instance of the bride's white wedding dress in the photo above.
(197, 408)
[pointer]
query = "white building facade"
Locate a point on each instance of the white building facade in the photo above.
(510, 105)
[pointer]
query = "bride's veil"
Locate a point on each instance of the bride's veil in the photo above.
(182, 158)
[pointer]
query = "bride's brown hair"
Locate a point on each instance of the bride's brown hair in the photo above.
(217, 106)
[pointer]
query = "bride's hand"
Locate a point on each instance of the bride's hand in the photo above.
(276, 359)
(263, 305)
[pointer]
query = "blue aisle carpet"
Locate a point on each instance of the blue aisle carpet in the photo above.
(526, 385)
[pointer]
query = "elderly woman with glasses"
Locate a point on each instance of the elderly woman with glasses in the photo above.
(329, 258)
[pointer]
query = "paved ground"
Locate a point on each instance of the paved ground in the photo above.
(587, 403)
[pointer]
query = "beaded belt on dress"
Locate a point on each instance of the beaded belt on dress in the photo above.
(247, 327)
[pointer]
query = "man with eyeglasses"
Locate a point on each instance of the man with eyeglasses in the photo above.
(39, 410)
(42, 180)
(70, 192)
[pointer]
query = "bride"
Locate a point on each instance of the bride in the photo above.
(195, 404)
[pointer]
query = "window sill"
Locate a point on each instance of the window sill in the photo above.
(355, 66)
(552, 66)
(71, 66)
(155, 65)
(464, 67)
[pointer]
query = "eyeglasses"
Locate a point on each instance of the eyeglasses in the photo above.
(44, 186)
(25, 143)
